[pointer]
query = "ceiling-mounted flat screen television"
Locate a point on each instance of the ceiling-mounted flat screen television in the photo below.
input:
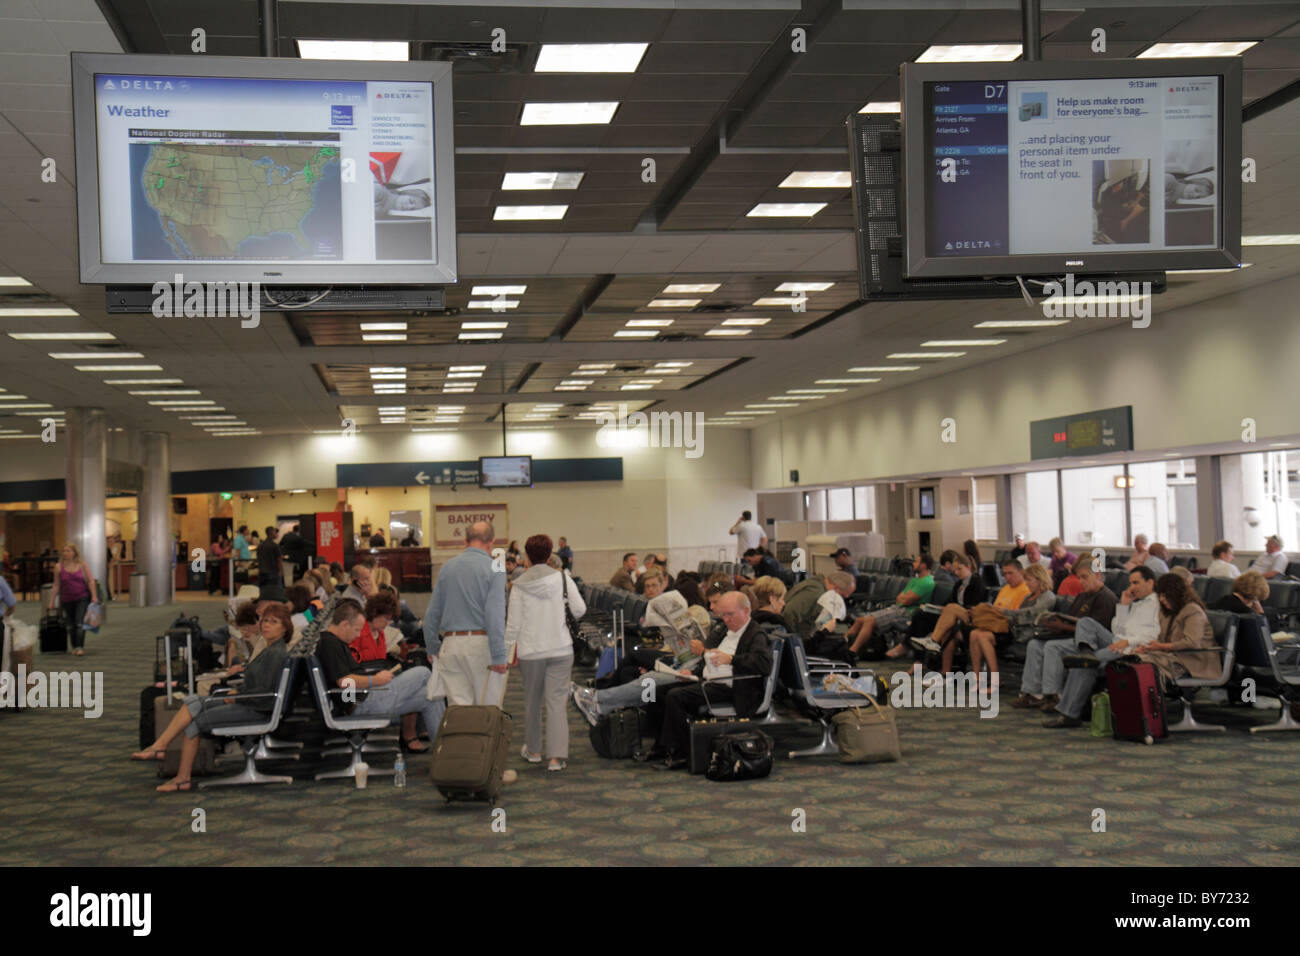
(1088, 167)
(279, 171)
(505, 471)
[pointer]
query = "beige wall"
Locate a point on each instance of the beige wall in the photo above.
(1191, 378)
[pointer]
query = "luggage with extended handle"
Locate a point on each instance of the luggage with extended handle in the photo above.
(470, 751)
(54, 634)
(158, 706)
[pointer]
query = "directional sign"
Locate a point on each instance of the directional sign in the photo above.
(461, 473)
(421, 477)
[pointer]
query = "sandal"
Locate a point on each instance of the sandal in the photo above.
(409, 746)
(176, 786)
(556, 765)
(153, 755)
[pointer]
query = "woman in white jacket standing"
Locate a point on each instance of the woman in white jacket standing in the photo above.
(535, 622)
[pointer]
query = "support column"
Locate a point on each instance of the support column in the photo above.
(153, 546)
(87, 458)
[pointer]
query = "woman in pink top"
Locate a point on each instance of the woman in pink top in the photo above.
(77, 590)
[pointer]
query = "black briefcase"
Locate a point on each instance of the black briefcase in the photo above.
(702, 734)
(743, 756)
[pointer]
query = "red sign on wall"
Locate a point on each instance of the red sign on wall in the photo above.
(329, 535)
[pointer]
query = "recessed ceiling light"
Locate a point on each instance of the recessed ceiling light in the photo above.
(647, 381)
(199, 416)
(673, 303)
(570, 388)
(231, 419)
(577, 381)
(731, 332)
(635, 334)
(13, 281)
(789, 398)
(475, 326)
(779, 301)
(494, 304)
(62, 336)
(476, 336)
(472, 375)
(567, 114)
(467, 368)
(383, 326)
(354, 50)
(882, 106)
(495, 290)
(775, 405)
(143, 381)
(884, 368)
(590, 57)
(804, 286)
(387, 368)
(591, 365)
(93, 355)
(4, 436)
(529, 212)
(8, 408)
(673, 364)
(12, 398)
(845, 381)
(686, 288)
(194, 408)
(941, 343)
(634, 388)
(37, 312)
(924, 355)
(165, 391)
(1021, 323)
(970, 53)
(649, 323)
(383, 337)
(1160, 51)
(787, 210)
(541, 180)
(745, 321)
(815, 391)
(387, 376)
(187, 401)
(1285, 239)
(830, 179)
(118, 368)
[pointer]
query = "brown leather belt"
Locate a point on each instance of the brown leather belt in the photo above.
(464, 633)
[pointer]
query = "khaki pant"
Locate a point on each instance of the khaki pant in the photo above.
(951, 616)
(463, 662)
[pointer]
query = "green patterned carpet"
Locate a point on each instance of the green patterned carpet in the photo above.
(967, 792)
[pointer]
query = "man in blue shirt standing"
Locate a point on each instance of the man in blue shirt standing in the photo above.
(240, 544)
(7, 599)
(566, 554)
(465, 625)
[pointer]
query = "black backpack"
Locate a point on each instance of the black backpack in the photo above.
(746, 755)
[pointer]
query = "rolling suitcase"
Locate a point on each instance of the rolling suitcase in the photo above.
(166, 701)
(470, 751)
(54, 634)
(618, 734)
(1136, 703)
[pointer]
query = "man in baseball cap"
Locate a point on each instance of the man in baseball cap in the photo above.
(844, 560)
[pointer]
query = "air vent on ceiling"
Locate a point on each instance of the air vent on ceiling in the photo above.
(709, 308)
(478, 57)
(678, 337)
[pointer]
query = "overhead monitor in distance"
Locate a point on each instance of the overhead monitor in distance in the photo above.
(279, 171)
(510, 471)
(1054, 167)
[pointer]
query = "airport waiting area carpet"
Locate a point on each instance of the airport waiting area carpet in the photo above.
(968, 791)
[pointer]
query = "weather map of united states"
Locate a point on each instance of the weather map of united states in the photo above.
(211, 200)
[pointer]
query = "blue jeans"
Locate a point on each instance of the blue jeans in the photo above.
(1080, 683)
(629, 694)
(405, 694)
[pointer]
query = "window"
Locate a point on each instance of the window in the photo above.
(1034, 506)
(1162, 503)
(1093, 501)
(839, 504)
(986, 509)
(1260, 497)
(864, 503)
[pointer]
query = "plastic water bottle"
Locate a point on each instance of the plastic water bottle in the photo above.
(399, 772)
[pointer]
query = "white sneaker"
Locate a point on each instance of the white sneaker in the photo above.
(531, 758)
(929, 643)
(584, 698)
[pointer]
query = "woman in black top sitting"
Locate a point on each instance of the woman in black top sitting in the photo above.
(970, 591)
(767, 594)
(1249, 591)
(201, 714)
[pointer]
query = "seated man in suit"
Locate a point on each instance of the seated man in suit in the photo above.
(744, 652)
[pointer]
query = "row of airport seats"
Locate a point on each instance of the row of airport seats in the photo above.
(868, 565)
(724, 567)
(603, 600)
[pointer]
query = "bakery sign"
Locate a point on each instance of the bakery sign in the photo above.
(450, 522)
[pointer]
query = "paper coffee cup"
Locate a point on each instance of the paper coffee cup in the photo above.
(362, 775)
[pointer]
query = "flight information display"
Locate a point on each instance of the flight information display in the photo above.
(1072, 166)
